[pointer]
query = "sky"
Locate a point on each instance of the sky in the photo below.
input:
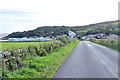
(24, 15)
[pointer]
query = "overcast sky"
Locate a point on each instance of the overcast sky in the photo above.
(22, 15)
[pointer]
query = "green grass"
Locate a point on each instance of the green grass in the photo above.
(111, 43)
(85, 30)
(17, 45)
(42, 67)
(82, 31)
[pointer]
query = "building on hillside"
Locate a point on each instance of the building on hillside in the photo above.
(52, 37)
(84, 37)
(64, 35)
(71, 34)
(98, 36)
(111, 36)
(88, 37)
(93, 36)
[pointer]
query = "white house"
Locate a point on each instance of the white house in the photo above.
(72, 34)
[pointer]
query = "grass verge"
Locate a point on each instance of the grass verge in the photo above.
(111, 43)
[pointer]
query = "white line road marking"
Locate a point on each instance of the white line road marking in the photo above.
(89, 45)
(108, 68)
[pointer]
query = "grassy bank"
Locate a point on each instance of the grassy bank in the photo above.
(39, 61)
(111, 43)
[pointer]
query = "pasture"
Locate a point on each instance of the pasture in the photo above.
(17, 45)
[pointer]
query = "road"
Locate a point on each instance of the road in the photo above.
(89, 60)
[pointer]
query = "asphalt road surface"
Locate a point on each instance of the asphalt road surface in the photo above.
(89, 60)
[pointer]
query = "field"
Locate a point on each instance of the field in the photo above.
(18, 45)
(38, 61)
(111, 43)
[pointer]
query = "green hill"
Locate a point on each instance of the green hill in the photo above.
(104, 27)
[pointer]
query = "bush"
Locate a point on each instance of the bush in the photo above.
(64, 39)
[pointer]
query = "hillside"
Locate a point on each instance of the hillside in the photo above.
(104, 27)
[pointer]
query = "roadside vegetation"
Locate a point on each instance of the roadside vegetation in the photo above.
(38, 61)
(111, 43)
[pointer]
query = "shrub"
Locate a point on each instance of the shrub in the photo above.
(64, 39)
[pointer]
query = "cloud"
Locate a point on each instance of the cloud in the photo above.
(21, 15)
(15, 12)
(17, 20)
(17, 15)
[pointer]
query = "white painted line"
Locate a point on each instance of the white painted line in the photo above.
(89, 45)
(108, 68)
